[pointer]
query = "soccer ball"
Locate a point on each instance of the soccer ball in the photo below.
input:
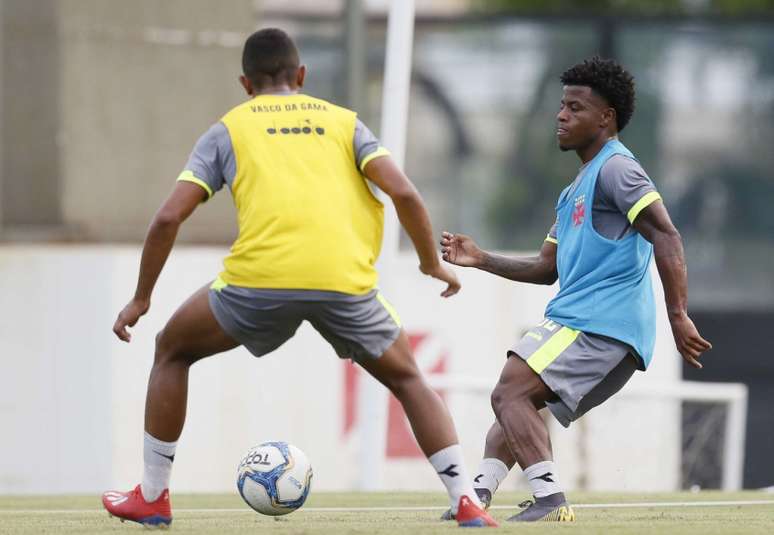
(274, 478)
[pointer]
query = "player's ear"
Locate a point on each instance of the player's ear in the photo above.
(247, 84)
(608, 117)
(300, 75)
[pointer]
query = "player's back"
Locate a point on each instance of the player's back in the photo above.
(307, 219)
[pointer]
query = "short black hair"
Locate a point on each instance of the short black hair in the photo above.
(609, 80)
(269, 55)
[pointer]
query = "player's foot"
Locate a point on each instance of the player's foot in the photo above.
(552, 508)
(470, 515)
(483, 495)
(132, 506)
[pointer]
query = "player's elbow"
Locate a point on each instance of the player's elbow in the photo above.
(549, 277)
(168, 219)
(674, 234)
(666, 239)
(404, 193)
(547, 273)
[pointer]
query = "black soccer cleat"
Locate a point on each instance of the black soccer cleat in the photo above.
(551, 508)
(483, 495)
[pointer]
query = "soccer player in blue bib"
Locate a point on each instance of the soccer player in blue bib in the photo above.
(601, 326)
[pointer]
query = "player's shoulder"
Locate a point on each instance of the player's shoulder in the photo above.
(235, 111)
(622, 164)
(322, 104)
(620, 171)
(342, 115)
(216, 135)
(344, 119)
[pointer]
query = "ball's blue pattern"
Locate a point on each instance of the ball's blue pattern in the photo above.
(268, 480)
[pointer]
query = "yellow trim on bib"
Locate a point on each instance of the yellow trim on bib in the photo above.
(188, 176)
(643, 203)
(552, 240)
(381, 151)
(218, 284)
(548, 353)
(389, 308)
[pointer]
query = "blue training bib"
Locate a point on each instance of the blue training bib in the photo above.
(605, 285)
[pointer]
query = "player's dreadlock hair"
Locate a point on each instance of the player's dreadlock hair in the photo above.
(269, 54)
(609, 80)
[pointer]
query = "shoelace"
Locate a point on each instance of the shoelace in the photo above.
(526, 504)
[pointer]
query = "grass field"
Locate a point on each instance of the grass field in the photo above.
(403, 512)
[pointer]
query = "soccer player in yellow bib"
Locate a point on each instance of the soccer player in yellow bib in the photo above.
(310, 231)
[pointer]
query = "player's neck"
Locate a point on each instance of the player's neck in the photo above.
(282, 89)
(587, 153)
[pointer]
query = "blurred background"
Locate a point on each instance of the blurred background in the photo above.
(102, 100)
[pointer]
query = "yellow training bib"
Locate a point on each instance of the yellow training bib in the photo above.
(307, 218)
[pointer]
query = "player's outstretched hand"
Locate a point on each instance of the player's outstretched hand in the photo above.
(446, 275)
(128, 317)
(689, 342)
(460, 250)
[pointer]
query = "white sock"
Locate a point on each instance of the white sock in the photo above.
(449, 465)
(491, 472)
(542, 478)
(158, 456)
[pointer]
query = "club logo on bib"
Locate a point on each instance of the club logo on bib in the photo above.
(579, 212)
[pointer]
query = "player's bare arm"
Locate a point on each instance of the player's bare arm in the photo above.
(414, 217)
(461, 250)
(183, 200)
(655, 226)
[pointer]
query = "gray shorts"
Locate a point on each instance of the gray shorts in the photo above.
(583, 370)
(357, 326)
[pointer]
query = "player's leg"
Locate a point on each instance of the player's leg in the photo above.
(431, 423)
(516, 400)
(367, 329)
(495, 465)
(569, 372)
(519, 395)
(528, 381)
(429, 418)
(496, 447)
(492, 470)
(191, 334)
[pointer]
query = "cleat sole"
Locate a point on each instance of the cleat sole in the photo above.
(156, 522)
(477, 523)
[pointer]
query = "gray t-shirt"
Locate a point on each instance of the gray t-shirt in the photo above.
(212, 159)
(622, 182)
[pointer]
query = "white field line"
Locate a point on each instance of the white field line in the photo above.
(424, 508)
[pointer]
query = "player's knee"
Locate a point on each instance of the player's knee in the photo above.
(167, 351)
(497, 400)
(405, 382)
(162, 352)
(503, 396)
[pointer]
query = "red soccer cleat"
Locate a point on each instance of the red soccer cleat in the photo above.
(470, 515)
(132, 506)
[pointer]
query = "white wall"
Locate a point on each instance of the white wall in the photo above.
(71, 395)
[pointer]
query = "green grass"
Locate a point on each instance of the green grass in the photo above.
(84, 515)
